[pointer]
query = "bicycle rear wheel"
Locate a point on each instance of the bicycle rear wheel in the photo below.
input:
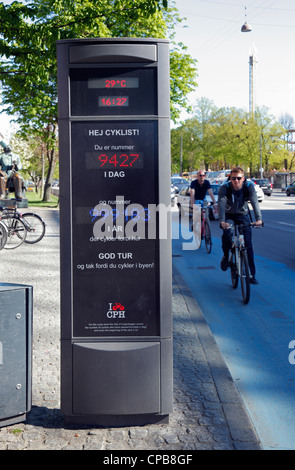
(233, 269)
(245, 277)
(208, 238)
(3, 235)
(35, 226)
(16, 231)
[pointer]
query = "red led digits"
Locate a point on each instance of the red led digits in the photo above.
(132, 160)
(111, 101)
(103, 159)
(115, 83)
(126, 162)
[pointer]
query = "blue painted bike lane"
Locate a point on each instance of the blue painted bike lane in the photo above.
(253, 339)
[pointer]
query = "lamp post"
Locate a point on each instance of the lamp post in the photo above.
(260, 147)
(181, 154)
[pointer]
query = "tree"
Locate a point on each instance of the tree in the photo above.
(286, 120)
(226, 137)
(28, 55)
(198, 139)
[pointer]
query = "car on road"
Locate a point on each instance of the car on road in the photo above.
(30, 186)
(217, 177)
(259, 192)
(178, 183)
(264, 184)
(183, 200)
(290, 189)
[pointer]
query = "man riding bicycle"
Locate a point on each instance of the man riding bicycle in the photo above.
(233, 208)
(199, 188)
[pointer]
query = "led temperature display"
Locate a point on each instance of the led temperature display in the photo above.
(114, 82)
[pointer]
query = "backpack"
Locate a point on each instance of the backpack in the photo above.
(245, 189)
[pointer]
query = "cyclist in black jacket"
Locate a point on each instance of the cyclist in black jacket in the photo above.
(233, 208)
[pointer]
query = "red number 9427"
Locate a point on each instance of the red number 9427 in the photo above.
(114, 161)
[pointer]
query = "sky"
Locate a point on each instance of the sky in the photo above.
(213, 37)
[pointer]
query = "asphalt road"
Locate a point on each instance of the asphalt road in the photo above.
(254, 339)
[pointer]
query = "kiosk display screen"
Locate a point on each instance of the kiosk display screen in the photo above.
(115, 261)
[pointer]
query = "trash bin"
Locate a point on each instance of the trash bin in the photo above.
(16, 303)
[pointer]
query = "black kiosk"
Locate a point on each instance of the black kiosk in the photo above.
(116, 312)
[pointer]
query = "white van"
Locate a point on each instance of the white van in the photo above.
(217, 176)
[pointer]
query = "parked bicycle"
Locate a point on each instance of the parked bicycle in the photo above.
(238, 261)
(16, 230)
(3, 235)
(27, 227)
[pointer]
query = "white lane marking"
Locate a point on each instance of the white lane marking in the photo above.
(285, 223)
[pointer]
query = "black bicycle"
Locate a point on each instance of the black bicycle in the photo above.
(3, 235)
(238, 261)
(27, 227)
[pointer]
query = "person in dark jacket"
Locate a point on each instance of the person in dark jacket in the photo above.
(233, 208)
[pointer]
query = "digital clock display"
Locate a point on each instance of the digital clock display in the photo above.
(114, 82)
(113, 101)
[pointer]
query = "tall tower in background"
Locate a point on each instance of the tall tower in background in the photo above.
(252, 79)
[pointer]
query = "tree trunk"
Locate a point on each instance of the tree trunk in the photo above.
(51, 156)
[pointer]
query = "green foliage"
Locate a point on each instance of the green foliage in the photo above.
(34, 200)
(183, 69)
(28, 72)
(28, 48)
(222, 138)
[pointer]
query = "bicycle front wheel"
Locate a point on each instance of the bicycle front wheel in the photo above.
(233, 269)
(3, 235)
(208, 238)
(245, 277)
(35, 226)
(16, 231)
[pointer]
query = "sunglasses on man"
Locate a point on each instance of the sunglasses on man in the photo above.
(234, 178)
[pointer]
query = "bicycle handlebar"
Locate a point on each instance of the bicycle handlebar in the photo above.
(252, 225)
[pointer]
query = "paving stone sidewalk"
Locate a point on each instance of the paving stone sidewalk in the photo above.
(208, 411)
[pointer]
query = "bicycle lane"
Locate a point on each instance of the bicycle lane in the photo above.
(253, 339)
